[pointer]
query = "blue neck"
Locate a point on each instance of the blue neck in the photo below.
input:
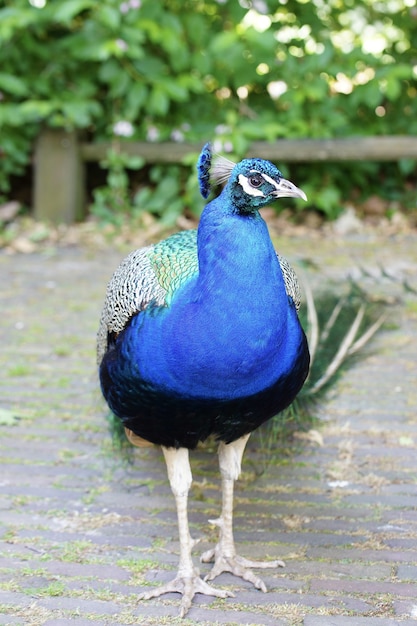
(234, 252)
(230, 331)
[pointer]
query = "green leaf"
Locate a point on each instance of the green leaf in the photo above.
(393, 89)
(158, 102)
(108, 16)
(150, 67)
(120, 83)
(13, 85)
(406, 166)
(135, 162)
(13, 20)
(35, 110)
(80, 114)
(135, 100)
(108, 72)
(95, 50)
(173, 89)
(68, 9)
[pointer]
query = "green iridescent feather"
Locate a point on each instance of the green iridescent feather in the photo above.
(175, 260)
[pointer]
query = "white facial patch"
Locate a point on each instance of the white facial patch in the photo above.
(247, 188)
(270, 180)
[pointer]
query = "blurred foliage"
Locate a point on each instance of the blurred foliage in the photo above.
(192, 70)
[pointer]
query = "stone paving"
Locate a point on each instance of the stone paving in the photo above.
(81, 533)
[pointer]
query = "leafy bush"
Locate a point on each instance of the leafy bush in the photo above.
(234, 71)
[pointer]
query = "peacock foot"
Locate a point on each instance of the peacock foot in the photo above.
(238, 566)
(188, 586)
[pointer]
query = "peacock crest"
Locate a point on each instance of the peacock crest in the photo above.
(213, 170)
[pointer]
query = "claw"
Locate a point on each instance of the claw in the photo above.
(238, 566)
(188, 586)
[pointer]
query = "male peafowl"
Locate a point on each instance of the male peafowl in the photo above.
(200, 337)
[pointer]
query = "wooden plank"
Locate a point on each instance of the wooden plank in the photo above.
(381, 148)
(164, 152)
(390, 148)
(59, 187)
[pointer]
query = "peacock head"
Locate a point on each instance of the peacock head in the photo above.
(251, 183)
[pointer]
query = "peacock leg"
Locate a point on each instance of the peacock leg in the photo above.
(224, 554)
(187, 581)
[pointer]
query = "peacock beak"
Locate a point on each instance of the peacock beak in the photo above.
(286, 189)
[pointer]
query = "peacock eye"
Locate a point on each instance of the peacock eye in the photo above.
(255, 180)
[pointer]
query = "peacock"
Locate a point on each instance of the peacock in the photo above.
(200, 337)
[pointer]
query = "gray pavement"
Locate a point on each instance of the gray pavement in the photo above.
(81, 533)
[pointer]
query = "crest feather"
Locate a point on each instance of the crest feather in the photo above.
(221, 170)
(203, 169)
(212, 170)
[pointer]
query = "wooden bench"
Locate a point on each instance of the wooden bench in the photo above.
(60, 162)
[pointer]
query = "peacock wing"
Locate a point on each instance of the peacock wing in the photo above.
(292, 286)
(148, 275)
